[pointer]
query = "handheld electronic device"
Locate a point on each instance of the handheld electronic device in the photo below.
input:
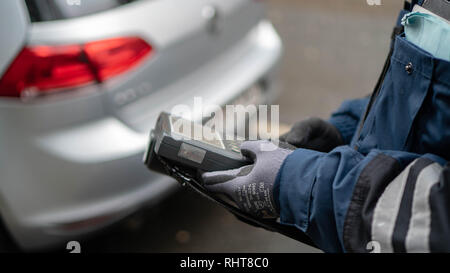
(174, 139)
(438, 7)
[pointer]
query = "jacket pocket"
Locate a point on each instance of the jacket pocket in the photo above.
(402, 95)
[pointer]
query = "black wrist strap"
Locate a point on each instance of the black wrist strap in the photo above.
(188, 180)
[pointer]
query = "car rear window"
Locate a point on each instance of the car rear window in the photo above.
(48, 10)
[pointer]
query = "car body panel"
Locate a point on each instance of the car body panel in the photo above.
(13, 15)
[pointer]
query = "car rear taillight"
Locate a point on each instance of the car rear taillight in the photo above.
(112, 57)
(46, 69)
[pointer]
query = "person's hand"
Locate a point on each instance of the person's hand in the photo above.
(251, 187)
(314, 134)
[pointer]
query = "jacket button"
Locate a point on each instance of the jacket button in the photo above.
(409, 68)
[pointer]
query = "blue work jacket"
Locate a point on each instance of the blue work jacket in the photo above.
(409, 120)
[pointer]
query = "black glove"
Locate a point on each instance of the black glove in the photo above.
(314, 134)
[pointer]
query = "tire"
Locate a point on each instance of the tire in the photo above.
(7, 245)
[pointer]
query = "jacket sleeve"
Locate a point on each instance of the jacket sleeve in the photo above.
(340, 199)
(347, 117)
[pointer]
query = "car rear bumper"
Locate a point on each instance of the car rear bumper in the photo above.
(60, 184)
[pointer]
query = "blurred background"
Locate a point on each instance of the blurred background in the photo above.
(334, 50)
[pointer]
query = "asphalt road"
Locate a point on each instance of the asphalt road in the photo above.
(334, 49)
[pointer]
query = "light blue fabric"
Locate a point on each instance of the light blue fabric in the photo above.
(428, 32)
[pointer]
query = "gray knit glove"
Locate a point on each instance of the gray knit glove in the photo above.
(251, 187)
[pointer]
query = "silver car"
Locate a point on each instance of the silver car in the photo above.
(81, 85)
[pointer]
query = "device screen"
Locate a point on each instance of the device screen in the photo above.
(186, 129)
